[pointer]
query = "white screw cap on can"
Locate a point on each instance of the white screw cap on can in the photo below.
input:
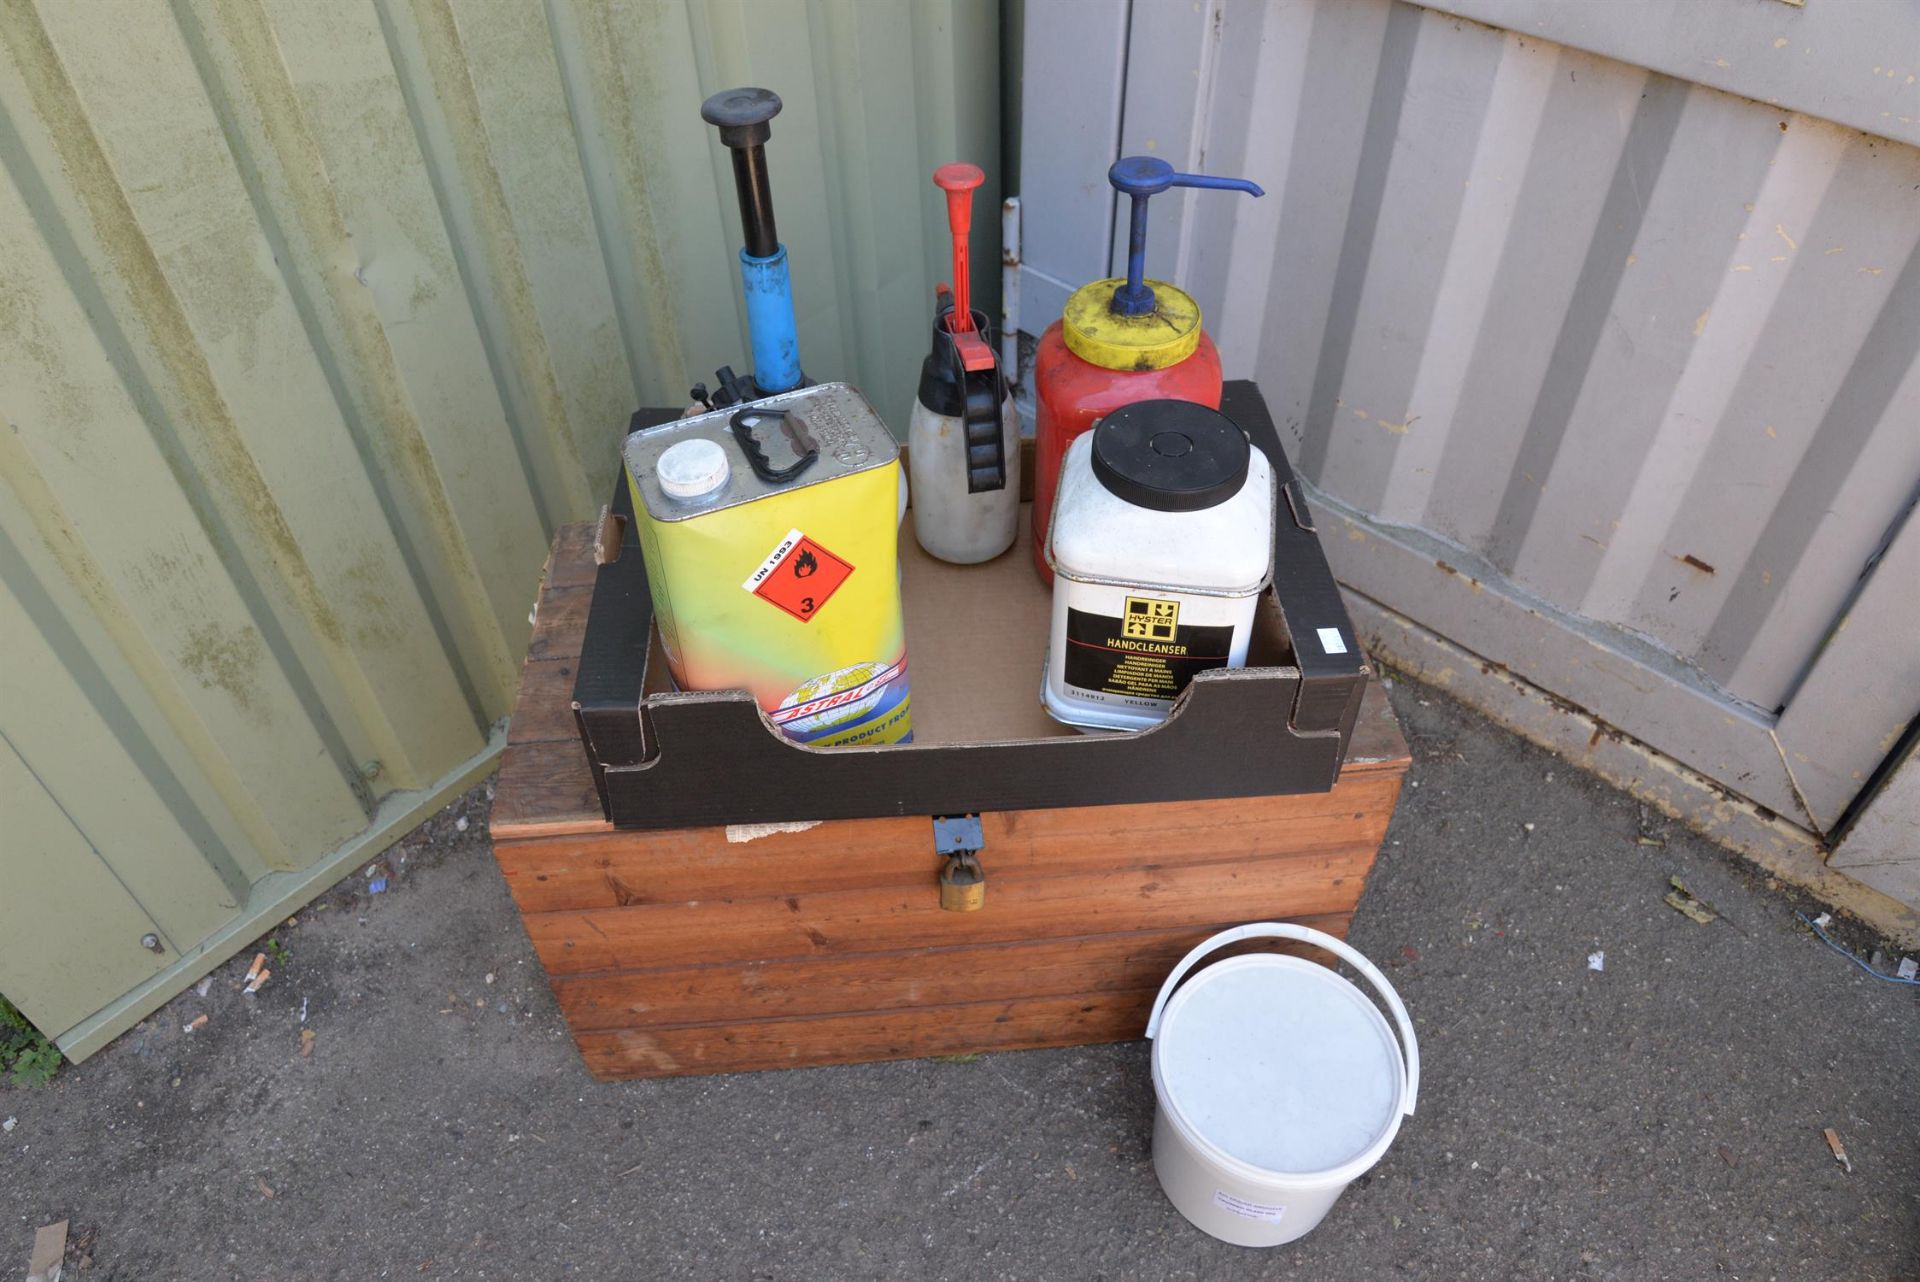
(692, 469)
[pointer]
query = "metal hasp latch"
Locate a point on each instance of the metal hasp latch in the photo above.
(963, 883)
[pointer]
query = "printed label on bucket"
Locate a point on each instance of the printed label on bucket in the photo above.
(1251, 1210)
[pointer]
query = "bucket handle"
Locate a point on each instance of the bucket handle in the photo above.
(1410, 1045)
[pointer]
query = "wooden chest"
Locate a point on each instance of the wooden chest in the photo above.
(709, 950)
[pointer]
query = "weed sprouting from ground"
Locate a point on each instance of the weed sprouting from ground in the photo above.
(26, 1056)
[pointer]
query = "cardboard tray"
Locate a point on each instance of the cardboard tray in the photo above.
(976, 645)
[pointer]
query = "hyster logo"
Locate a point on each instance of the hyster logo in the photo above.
(1147, 619)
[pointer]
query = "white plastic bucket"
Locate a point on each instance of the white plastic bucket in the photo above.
(1278, 1084)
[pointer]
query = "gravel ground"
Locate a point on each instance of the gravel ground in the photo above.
(1659, 1119)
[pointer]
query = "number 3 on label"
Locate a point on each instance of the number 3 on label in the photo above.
(806, 605)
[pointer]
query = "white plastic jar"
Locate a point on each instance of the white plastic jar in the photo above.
(1161, 543)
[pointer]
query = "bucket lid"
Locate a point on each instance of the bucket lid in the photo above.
(1279, 1063)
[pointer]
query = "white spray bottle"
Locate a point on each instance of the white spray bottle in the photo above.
(963, 443)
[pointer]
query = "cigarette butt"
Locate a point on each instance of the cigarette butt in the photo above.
(259, 963)
(1839, 1150)
(254, 984)
(198, 1021)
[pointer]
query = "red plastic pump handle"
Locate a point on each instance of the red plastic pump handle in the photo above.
(958, 180)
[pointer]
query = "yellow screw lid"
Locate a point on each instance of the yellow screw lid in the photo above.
(1165, 336)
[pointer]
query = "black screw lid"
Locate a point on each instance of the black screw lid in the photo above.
(742, 115)
(1170, 456)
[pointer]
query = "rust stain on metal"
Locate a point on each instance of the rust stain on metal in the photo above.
(194, 393)
(619, 77)
(226, 659)
(278, 128)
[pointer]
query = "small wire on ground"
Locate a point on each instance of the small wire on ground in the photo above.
(1849, 954)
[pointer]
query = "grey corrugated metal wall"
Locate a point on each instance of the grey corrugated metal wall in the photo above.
(315, 320)
(1605, 374)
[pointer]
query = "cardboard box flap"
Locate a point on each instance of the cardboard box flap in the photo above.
(1325, 648)
(719, 761)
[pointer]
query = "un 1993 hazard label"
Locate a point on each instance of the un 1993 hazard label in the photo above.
(798, 576)
(1146, 653)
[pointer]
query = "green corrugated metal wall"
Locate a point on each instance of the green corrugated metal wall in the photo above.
(315, 320)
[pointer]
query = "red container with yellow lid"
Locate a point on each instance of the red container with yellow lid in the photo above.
(1119, 341)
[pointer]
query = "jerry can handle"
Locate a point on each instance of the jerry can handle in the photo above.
(1409, 1044)
(795, 430)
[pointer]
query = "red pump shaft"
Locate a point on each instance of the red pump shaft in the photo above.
(958, 180)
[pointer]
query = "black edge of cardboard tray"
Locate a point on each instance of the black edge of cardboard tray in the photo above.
(613, 654)
(1331, 684)
(663, 762)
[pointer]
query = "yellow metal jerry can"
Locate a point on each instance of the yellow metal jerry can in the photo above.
(771, 537)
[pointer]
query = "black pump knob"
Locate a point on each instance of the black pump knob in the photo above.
(742, 115)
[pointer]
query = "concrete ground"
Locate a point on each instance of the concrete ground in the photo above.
(1660, 1119)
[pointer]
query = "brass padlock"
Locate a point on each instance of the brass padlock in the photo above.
(963, 883)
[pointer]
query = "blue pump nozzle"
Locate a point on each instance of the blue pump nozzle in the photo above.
(1141, 177)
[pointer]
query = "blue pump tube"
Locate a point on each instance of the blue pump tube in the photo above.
(770, 326)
